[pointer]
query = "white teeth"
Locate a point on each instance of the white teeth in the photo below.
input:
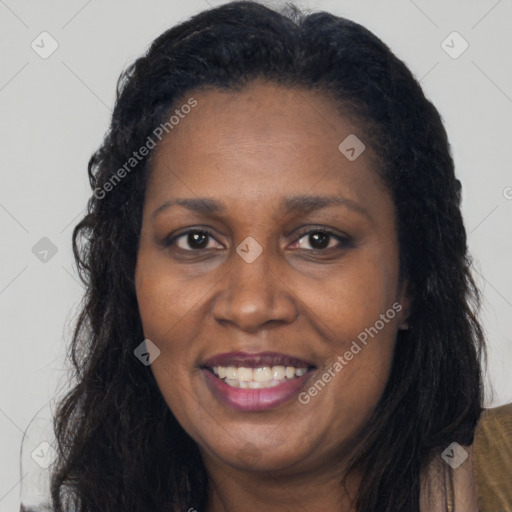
(262, 374)
(257, 378)
(289, 372)
(244, 374)
(278, 372)
(231, 373)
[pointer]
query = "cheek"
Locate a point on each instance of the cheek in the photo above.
(163, 297)
(358, 313)
(163, 317)
(357, 373)
(355, 296)
(163, 308)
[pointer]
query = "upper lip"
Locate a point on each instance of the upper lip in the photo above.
(255, 360)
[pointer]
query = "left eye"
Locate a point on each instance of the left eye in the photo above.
(194, 240)
(318, 240)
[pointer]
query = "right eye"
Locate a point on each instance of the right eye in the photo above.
(194, 240)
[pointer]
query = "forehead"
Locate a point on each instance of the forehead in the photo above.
(260, 143)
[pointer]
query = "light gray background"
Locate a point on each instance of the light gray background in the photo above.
(55, 111)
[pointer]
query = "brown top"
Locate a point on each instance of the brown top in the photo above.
(492, 459)
(476, 478)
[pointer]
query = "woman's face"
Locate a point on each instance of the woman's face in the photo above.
(268, 277)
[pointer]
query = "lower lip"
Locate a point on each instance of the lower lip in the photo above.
(245, 399)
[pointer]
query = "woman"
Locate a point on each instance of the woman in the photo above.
(279, 311)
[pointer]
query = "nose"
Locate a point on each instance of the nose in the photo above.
(253, 295)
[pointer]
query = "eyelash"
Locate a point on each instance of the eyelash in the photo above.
(343, 240)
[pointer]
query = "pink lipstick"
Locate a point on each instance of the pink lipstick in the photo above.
(255, 382)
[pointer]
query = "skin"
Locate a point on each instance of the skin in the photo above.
(251, 150)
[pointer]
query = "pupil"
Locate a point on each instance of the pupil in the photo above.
(198, 239)
(319, 240)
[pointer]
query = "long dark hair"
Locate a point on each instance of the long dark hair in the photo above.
(120, 447)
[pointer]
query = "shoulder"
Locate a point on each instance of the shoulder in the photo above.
(492, 459)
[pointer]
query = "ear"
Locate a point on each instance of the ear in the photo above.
(404, 299)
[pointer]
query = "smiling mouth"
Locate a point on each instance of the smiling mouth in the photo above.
(256, 382)
(259, 377)
(257, 371)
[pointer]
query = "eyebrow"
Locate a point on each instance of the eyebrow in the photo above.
(200, 205)
(293, 204)
(310, 203)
